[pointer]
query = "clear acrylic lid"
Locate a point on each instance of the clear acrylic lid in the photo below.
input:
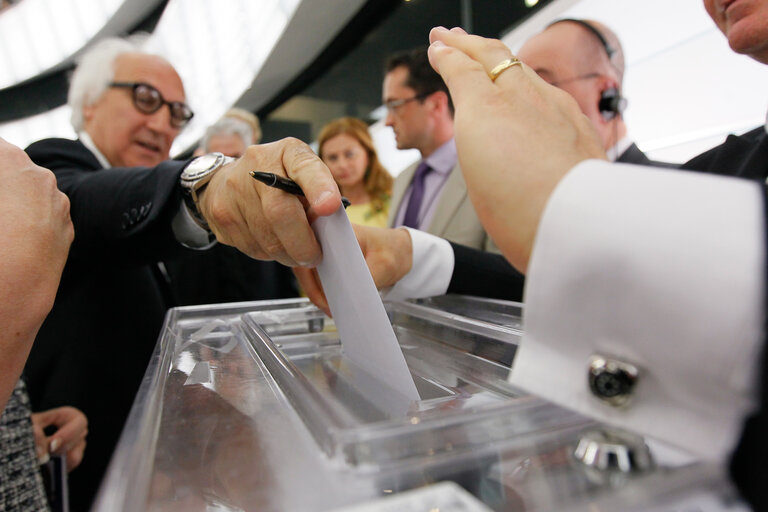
(253, 406)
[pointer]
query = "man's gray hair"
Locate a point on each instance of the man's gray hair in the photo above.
(95, 69)
(228, 126)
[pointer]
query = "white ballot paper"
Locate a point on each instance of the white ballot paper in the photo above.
(366, 334)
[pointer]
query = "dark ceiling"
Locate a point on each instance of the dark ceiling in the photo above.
(350, 70)
(407, 26)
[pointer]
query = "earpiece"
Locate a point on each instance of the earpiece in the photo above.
(611, 103)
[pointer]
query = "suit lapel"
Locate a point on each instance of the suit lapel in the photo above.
(744, 156)
(401, 184)
(633, 155)
(451, 196)
(755, 165)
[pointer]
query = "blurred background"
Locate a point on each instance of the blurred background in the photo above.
(299, 63)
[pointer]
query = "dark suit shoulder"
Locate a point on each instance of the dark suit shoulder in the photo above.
(633, 155)
(57, 153)
(743, 155)
(120, 212)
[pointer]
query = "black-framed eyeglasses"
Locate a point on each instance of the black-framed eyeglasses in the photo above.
(148, 100)
(587, 76)
(392, 105)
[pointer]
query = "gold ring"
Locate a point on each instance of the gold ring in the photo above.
(503, 66)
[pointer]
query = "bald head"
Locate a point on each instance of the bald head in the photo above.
(571, 56)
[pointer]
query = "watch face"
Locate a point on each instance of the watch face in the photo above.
(200, 166)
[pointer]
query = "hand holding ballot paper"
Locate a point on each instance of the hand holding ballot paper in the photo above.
(366, 334)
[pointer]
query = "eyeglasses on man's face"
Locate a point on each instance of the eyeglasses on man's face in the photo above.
(148, 100)
(393, 105)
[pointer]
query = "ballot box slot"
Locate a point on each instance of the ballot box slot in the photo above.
(466, 400)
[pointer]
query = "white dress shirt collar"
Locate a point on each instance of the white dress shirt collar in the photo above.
(88, 143)
(619, 148)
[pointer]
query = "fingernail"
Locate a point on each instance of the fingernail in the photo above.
(43, 459)
(441, 29)
(55, 445)
(438, 43)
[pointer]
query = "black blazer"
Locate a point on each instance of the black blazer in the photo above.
(746, 156)
(94, 347)
(633, 155)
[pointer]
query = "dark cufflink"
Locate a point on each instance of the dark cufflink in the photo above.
(612, 381)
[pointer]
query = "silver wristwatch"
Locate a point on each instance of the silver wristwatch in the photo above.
(196, 176)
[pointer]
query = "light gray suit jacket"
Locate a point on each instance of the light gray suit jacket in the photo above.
(454, 218)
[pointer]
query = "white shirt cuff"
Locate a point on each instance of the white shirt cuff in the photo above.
(664, 270)
(431, 271)
(188, 232)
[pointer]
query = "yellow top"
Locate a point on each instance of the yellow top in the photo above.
(363, 214)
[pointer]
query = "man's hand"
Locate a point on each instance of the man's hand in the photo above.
(516, 137)
(35, 234)
(388, 254)
(264, 222)
(69, 438)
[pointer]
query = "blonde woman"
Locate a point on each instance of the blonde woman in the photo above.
(347, 149)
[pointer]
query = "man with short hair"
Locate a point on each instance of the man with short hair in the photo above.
(585, 59)
(132, 208)
(228, 136)
(429, 195)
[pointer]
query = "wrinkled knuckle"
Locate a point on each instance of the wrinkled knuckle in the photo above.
(293, 142)
(494, 45)
(280, 212)
(221, 214)
(272, 248)
(252, 152)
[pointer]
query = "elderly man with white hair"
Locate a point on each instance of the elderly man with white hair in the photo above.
(131, 207)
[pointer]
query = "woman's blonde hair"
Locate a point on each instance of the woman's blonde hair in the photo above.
(378, 182)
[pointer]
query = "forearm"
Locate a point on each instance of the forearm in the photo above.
(124, 214)
(21, 315)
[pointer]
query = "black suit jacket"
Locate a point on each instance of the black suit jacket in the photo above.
(633, 155)
(224, 274)
(93, 348)
(746, 156)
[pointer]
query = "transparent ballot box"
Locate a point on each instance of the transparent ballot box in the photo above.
(254, 406)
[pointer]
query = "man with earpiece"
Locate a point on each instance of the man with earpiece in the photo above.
(584, 58)
(581, 57)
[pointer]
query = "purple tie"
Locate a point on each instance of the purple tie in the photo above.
(411, 218)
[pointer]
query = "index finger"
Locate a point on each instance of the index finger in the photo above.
(307, 169)
(487, 52)
(464, 76)
(72, 432)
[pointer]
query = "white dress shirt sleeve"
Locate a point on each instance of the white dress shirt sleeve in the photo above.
(661, 269)
(431, 271)
(188, 232)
